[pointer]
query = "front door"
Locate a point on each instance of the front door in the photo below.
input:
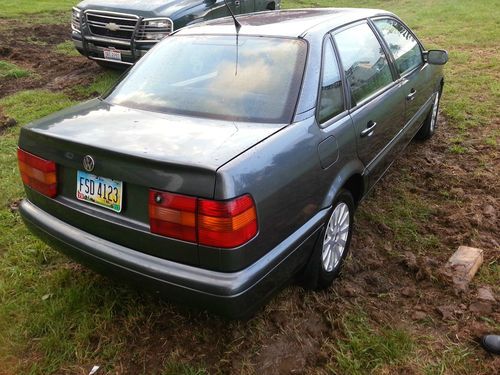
(377, 103)
(409, 62)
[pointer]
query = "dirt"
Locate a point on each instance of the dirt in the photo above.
(6, 122)
(393, 285)
(32, 47)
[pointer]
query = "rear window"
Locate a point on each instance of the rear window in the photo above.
(256, 80)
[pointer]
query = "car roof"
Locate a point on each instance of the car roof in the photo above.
(283, 23)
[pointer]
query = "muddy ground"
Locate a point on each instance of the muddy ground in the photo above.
(32, 47)
(393, 283)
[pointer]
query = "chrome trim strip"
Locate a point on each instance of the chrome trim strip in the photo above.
(97, 12)
(103, 26)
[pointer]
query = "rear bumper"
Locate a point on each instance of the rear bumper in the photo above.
(234, 294)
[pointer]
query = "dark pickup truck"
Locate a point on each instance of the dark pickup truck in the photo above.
(116, 33)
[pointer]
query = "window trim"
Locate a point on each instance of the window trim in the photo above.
(395, 79)
(327, 38)
(421, 46)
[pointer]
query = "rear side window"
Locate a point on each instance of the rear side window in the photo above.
(404, 47)
(331, 101)
(364, 61)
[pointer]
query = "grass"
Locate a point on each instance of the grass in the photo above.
(56, 317)
(9, 70)
(16, 8)
(102, 83)
(26, 106)
(67, 48)
(366, 349)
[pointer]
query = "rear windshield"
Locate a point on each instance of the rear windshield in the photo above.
(257, 80)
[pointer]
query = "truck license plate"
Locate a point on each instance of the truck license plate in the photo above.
(100, 191)
(112, 54)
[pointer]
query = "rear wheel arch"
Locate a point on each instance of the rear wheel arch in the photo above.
(350, 178)
(355, 185)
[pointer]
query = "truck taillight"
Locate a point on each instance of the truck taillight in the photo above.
(38, 173)
(225, 224)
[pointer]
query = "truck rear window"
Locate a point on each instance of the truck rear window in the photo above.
(256, 80)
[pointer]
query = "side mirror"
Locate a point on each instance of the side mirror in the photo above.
(436, 56)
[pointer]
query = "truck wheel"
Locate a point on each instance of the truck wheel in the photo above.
(429, 126)
(332, 244)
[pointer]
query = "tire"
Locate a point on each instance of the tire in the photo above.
(322, 268)
(429, 126)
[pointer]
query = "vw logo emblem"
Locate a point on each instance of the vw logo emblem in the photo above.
(88, 163)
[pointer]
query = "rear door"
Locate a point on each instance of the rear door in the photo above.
(415, 74)
(376, 100)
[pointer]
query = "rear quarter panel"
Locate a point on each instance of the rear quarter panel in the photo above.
(286, 179)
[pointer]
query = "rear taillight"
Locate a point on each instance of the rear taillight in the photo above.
(225, 224)
(172, 215)
(37, 173)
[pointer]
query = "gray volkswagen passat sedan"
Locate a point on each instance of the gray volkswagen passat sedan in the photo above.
(222, 165)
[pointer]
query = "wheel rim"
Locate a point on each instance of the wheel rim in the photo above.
(335, 239)
(434, 112)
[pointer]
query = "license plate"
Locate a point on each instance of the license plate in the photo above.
(112, 54)
(101, 191)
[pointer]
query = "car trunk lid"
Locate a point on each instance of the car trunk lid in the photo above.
(145, 151)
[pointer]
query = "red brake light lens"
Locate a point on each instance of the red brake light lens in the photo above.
(38, 173)
(172, 215)
(225, 224)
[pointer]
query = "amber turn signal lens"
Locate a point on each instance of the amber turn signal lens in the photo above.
(226, 224)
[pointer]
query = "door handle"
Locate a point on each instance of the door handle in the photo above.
(370, 127)
(411, 95)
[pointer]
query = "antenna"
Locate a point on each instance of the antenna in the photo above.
(236, 23)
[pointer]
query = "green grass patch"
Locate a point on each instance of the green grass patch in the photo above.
(101, 84)
(9, 70)
(489, 273)
(457, 149)
(402, 213)
(453, 360)
(366, 348)
(26, 106)
(16, 8)
(67, 48)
